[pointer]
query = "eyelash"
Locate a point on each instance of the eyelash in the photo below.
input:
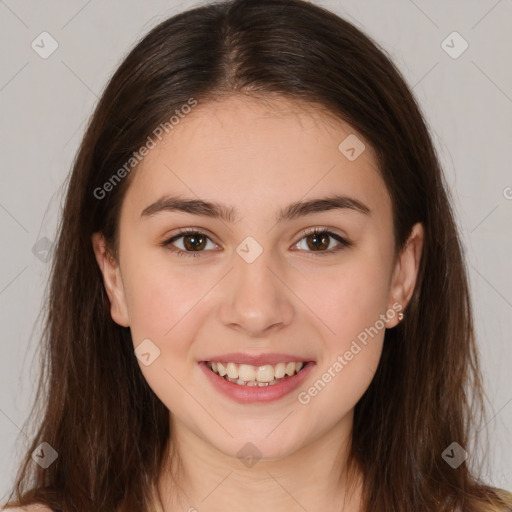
(343, 243)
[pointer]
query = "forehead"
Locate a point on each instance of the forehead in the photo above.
(249, 151)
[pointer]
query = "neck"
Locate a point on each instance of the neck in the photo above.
(200, 477)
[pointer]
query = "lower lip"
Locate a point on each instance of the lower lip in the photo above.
(252, 394)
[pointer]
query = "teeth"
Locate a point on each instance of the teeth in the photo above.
(232, 371)
(290, 369)
(265, 373)
(280, 370)
(221, 370)
(246, 374)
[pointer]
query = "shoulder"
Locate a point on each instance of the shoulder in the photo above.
(501, 501)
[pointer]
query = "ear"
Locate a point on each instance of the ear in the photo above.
(406, 269)
(112, 280)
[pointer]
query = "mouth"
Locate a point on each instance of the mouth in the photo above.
(257, 375)
(256, 378)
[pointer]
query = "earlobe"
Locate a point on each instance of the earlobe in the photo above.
(112, 280)
(405, 273)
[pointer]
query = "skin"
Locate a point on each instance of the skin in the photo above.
(257, 157)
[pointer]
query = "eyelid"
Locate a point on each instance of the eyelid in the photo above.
(193, 231)
(319, 229)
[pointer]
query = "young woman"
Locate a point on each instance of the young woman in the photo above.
(258, 298)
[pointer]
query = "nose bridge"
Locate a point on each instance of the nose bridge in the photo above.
(256, 300)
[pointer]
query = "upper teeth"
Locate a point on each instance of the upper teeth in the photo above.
(247, 372)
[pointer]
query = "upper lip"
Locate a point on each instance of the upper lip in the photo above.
(257, 360)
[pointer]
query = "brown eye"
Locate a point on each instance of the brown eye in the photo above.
(188, 242)
(320, 241)
(195, 242)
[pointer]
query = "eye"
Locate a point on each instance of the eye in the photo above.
(194, 241)
(319, 241)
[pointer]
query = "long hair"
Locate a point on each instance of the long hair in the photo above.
(427, 390)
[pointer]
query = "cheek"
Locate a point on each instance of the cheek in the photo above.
(341, 383)
(351, 355)
(164, 306)
(159, 292)
(350, 306)
(349, 299)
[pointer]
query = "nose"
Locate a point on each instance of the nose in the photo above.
(256, 299)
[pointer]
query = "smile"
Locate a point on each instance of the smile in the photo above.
(245, 383)
(249, 375)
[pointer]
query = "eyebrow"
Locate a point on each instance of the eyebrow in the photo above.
(228, 214)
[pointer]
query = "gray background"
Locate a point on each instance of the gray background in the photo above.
(467, 102)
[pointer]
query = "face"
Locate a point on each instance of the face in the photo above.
(257, 284)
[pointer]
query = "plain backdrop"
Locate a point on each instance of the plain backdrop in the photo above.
(45, 103)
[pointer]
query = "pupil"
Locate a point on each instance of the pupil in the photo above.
(193, 242)
(320, 239)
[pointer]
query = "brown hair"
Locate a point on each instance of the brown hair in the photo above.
(427, 391)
